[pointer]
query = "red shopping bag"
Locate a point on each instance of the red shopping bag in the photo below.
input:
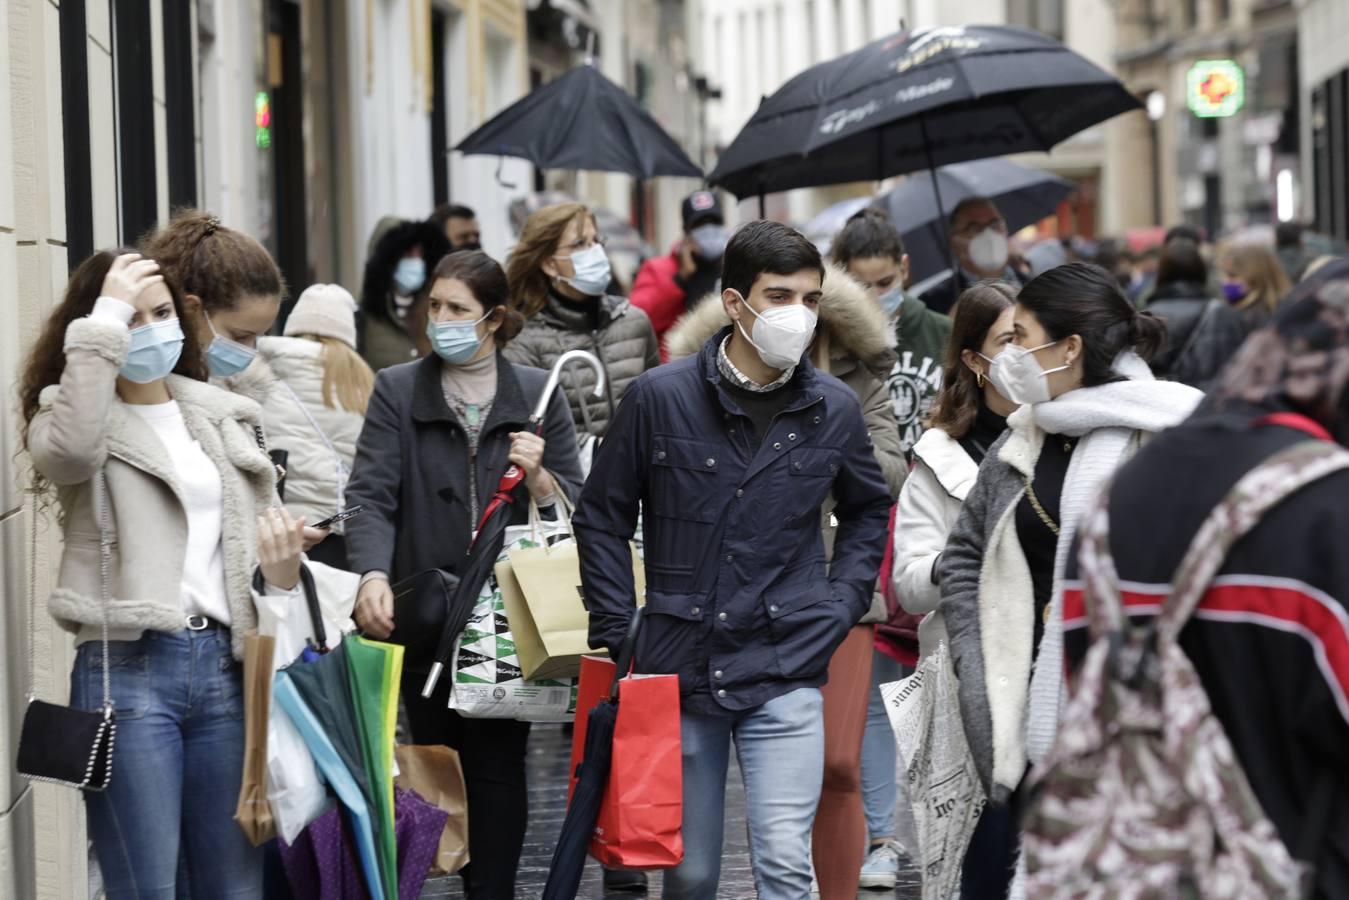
(639, 824)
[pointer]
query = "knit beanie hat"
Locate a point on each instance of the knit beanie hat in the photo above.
(326, 310)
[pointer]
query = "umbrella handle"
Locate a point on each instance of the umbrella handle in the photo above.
(590, 359)
(626, 652)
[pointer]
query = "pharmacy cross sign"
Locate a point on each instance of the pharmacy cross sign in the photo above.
(1215, 88)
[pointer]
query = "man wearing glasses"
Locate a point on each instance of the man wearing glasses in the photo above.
(978, 235)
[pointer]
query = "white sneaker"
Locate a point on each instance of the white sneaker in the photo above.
(881, 870)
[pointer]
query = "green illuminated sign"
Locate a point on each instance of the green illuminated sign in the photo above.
(1215, 88)
(262, 120)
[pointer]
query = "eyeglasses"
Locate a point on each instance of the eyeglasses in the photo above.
(580, 245)
(970, 229)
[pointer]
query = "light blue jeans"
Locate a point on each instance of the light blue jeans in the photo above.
(165, 827)
(879, 756)
(780, 747)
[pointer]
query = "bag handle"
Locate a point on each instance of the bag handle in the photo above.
(1258, 491)
(627, 652)
(565, 510)
(104, 564)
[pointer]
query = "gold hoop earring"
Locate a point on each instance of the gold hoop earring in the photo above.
(979, 378)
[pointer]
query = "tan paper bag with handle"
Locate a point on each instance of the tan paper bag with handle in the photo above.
(253, 812)
(541, 590)
(434, 772)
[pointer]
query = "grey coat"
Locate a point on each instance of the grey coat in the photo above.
(81, 427)
(624, 342)
(411, 472)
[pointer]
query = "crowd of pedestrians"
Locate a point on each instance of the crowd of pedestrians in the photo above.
(832, 478)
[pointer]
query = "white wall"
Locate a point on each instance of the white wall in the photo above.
(1322, 51)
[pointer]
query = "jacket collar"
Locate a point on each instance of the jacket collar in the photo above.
(428, 398)
(1024, 440)
(559, 315)
(949, 462)
(804, 384)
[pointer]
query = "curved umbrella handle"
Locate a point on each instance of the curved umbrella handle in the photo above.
(590, 359)
(626, 652)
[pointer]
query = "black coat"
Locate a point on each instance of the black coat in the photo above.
(739, 602)
(1202, 334)
(412, 466)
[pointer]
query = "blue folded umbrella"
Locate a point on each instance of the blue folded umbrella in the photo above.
(336, 773)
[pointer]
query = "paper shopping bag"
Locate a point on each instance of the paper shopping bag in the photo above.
(253, 812)
(641, 816)
(434, 773)
(541, 590)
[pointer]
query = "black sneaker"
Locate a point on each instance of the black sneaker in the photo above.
(624, 881)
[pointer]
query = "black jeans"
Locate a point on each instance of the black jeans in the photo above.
(492, 753)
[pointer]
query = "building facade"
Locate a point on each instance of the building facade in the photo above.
(1324, 107)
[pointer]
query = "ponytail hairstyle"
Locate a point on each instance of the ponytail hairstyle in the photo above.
(217, 264)
(47, 360)
(1086, 300)
(974, 314)
(348, 379)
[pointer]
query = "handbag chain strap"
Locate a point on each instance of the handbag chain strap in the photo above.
(104, 556)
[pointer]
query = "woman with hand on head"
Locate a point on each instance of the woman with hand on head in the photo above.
(137, 447)
(439, 434)
(1077, 367)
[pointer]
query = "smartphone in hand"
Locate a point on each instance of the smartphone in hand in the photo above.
(350, 512)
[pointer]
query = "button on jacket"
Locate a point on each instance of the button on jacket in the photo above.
(740, 603)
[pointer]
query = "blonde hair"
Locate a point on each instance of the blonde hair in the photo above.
(347, 379)
(1257, 266)
(538, 241)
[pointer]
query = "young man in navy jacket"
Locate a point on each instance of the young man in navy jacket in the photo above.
(728, 456)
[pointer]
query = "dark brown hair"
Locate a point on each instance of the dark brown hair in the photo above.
(538, 241)
(217, 264)
(960, 397)
(47, 360)
(485, 278)
(1182, 263)
(1086, 300)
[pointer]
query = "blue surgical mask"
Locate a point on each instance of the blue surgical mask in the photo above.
(892, 300)
(455, 342)
(710, 240)
(592, 271)
(225, 357)
(410, 275)
(154, 351)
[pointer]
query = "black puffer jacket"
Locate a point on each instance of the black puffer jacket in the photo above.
(1202, 333)
(618, 333)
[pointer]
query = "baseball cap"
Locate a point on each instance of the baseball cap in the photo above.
(701, 206)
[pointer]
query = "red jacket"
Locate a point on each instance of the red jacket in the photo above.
(657, 294)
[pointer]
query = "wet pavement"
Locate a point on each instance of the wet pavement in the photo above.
(548, 756)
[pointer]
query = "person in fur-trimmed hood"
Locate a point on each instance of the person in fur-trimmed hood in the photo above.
(855, 343)
(1088, 401)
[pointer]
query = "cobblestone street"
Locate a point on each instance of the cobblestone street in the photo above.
(547, 804)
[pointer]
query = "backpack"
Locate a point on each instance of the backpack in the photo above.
(1141, 795)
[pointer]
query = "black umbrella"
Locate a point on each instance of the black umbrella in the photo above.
(1024, 196)
(918, 100)
(491, 531)
(582, 120)
(592, 774)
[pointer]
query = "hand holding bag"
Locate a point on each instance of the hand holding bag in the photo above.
(59, 744)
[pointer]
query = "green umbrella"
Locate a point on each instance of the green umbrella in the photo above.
(373, 673)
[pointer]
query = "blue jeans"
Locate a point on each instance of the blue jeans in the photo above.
(780, 747)
(879, 757)
(165, 826)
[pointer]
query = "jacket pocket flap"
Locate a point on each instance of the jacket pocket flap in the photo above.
(787, 599)
(697, 456)
(679, 604)
(816, 461)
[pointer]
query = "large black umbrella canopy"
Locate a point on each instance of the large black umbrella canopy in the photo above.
(916, 100)
(582, 120)
(1022, 194)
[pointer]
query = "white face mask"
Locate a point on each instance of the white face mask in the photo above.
(988, 249)
(1017, 375)
(781, 333)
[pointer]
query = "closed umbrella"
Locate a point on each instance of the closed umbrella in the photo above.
(373, 673)
(1024, 195)
(491, 531)
(582, 120)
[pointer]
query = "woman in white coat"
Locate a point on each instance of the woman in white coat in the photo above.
(967, 417)
(140, 450)
(316, 407)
